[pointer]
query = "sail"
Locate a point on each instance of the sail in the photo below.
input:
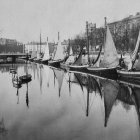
(59, 76)
(59, 54)
(110, 58)
(78, 61)
(110, 91)
(134, 55)
(46, 53)
(137, 64)
(71, 57)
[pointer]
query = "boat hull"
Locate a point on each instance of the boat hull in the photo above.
(37, 60)
(26, 78)
(104, 72)
(129, 74)
(81, 68)
(45, 62)
(55, 63)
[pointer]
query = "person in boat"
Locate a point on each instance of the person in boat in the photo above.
(121, 62)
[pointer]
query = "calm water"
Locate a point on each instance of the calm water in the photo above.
(65, 106)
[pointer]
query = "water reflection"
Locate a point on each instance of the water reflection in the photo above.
(71, 106)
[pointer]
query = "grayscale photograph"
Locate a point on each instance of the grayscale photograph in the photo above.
(69, 69)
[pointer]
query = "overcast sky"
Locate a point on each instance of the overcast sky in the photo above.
(23, 19)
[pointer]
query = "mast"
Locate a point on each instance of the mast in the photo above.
(40, 42)
(87, 30)
(105, 29)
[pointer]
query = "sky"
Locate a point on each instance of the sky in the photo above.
(23, 20)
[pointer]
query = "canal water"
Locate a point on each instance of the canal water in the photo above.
(56, 105)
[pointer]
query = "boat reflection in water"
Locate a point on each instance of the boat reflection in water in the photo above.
(71, 106)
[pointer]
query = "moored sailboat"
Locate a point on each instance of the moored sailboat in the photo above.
(78, 65)
(59, 55)
(134, 71)
(46, 56)
(68, 60)
(107, 66)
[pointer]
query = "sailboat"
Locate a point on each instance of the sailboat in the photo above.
(134, 71)
(46, 56)
(59, 55)
(78, 65)
(69, 59)
(27, 77)
(107, 66)
(38, 59)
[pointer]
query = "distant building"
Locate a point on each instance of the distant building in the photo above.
(125, 24)
(10, 46)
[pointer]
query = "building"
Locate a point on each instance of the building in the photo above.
(10, 46)
(126, 23)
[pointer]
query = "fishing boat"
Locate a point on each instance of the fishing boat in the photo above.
(27, 77)
(68, 60)
(13, 70)
(109, 63)
(46, 56)
(59, 55)
(133, 70)
(78, 65)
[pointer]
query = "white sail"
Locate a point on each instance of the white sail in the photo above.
(71, 52)
(110, 58)
(71, 57)
(136, 48)
(46, 53)
(59, 54)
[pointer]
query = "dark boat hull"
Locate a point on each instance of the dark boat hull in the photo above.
(45, 62)
(81, 68)
(54, 63)
(37, 60)
(104, 72)
(25, 78)
(129, 74)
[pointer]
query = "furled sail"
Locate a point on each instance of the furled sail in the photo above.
(110, 58)
(59, 54)
(46, 52)
(136, 63)
(136, 48)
